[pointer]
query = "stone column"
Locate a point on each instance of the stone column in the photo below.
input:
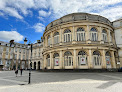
(63, 66)
(74, 60)
(61, 58)
(45, 41)
(109, 36)
(73, 34)
(60, 36)
(87, 33)
(50, 60)
(100, 34)
(113, 60)
(103, 62)
(90, 62)
(51, 35)
(45, 62)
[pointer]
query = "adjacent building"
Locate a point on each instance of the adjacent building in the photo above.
(118, 37)
(14, 56)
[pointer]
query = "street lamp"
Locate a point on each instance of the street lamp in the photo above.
(30, 65)
(30, 44)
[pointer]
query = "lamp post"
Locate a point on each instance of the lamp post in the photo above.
(30, 65)
(30, 44)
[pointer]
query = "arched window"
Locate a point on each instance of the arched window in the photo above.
(48, 60)
(82, 58)
(94, 34)
(56, 37)
(56, 59)
(96, 58)
(104, 35)
(68, 59)
(108, 59)
(67, 36)
(80, 34)
(49, 40)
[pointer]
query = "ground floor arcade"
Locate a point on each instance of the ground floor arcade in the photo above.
(80, 59)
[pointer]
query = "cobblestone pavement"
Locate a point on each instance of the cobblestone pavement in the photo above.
(61, 82)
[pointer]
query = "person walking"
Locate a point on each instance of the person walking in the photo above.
(21, 71)
(16, 72)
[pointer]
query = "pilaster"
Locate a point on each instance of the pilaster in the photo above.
(113, 60)
(103, 62)
(74, 59)
(90, 62)
(61, 60)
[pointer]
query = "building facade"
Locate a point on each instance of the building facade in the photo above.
(80, 41)
(37, 58)
(13, 57)
(118, 37)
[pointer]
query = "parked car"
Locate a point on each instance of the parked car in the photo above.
(120, 70)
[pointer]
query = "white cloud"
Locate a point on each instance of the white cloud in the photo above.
(39, 27)
(9, 35)
(58, 8)
(44, 13)
(63, 7)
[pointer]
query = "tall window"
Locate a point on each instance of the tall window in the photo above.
(108, 59)
(67, 36)
(68, 59)
(96, 58)
(56, 37)
(82, 58)
(94, 34)
(49, 40)
(48, 60)
(56, 59)
(104, 35)
(80, 34)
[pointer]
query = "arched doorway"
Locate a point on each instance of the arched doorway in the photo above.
(38, 65)
(34, 65)
(82, 58)
(56, 59)
(97, 59)
(68, 59)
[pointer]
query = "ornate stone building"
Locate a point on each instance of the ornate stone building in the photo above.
(80, 41)
(37, 57)
(118, 37)
(13, 57)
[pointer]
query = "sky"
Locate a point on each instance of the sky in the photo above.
(28, 18)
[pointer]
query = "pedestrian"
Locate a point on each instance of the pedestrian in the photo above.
(16, 72)
(21, 71)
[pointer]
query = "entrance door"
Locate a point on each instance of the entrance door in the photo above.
(39, 65)
(34, 65)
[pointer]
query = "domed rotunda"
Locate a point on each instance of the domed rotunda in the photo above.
(79, 41)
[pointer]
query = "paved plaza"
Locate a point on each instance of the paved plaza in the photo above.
(61, 82)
